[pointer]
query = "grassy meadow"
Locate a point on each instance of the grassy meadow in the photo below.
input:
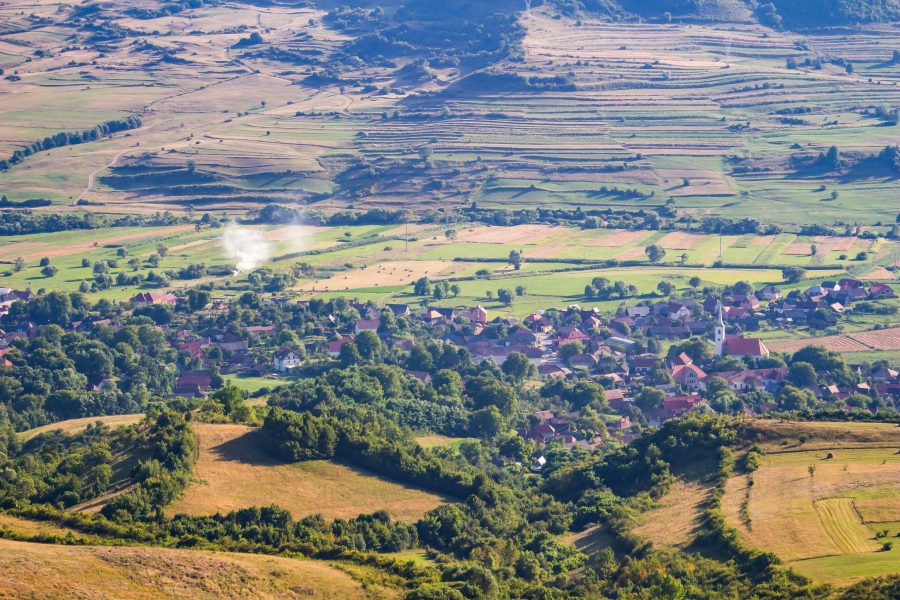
(832, 519)
(233, 472)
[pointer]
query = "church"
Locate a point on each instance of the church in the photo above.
(735, 345)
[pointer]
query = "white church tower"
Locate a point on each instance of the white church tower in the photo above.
(720, 334)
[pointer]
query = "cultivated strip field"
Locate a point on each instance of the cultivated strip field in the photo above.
(884, 339)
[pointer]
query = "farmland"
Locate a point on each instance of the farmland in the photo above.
(822, 499)
(693, 112)
(43, 570)
(233, 472)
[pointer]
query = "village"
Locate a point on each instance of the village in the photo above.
(655, 360)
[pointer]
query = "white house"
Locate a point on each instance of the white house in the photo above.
(287, 360)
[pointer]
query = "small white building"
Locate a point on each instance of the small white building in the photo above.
(287, 360)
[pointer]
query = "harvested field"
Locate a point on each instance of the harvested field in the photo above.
(30, 570)
(233, 472)
(522, 234)
(380, 275)
(77, 425)
(678, 240)
(32, 251)
(811, 519)
(844, 525)
(615, 238)
(884, 339)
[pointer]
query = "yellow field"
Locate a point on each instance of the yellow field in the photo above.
(822, 524)
(232, 472)
(674, 521)
(48, 571)
(76, 425)
(844, 525)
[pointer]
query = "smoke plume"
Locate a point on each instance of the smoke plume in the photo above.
(247, 248)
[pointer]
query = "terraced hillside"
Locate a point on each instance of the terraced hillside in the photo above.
(242, 104)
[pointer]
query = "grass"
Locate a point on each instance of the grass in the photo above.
(439, 441)
(77, 425)
(811, 519)
(44, 570)
(676, 518)
(233, 472)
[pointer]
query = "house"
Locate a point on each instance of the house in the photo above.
(538, 465)
(366, 325)
(257, 331)
(420, 375)
(334, 346)
(550, 370)
(154, 298)
(770, 293)
(739, 347)
(768, 380)
(195, 384)
(881, 290)
(478, 314)
(287, 360)
(688, 376)
(400, 310)
(644, 364)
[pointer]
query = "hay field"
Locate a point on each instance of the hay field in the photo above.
(677, 517)
(823, 524)
(30, 570)
(77, 425)
(233, 472)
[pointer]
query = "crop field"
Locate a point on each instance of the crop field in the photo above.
(46, 570)
(693, 112)
(825, 517)
(232, 472)
(869, 341)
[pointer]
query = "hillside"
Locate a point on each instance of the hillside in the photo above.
(29, 570)
(825, 498)
(233, 472)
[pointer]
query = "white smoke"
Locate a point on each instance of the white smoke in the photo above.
(246, 247)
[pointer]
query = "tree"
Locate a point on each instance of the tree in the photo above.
(505, 295)
(454, 289)
(49, 271)
(121, 251)
(44, 261)
(450, 234)
(369, 345)
(694, 282)
(197, 299)
(161, 249)
(567, 351)
(19, 264)
(518, 368)
(649, 398)
(487, 422)
(422, 287)
(744, 288)
(793, 274)
(665, 287)
(803, 374)
(515, 259)
(349, 355)
(655, 252)
(520, 290)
